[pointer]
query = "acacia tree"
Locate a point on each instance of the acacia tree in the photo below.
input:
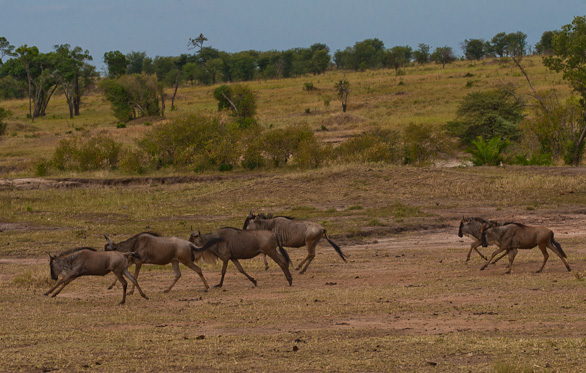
(73, 73)
(421, 55)
(569, 45)
(6, 50)
(398, 56)
(443, 56)
(41, 82)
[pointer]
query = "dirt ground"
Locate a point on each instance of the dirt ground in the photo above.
(403, 285)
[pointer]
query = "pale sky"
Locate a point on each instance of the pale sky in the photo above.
(163, 28)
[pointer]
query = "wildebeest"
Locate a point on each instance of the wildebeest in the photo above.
(292, 233)
(154, 249)
(85, 261)
(470, 227)
(241, 244)
(515, 236)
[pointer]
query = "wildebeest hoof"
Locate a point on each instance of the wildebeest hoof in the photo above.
(482, 268)
(218, 286)
(254, 282)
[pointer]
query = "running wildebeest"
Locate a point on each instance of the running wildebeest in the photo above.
(241, 244)
(470, 227)
(154, 249)
(515, 236)
(292, 233)
(85, 261)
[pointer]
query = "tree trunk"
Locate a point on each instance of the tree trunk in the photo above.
(579, 150)
(76, 95)
(174, 94)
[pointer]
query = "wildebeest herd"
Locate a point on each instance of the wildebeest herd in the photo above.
(265, 235)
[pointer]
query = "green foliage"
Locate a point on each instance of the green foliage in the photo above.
(311, 153)
(116, 63)
(494, 113)
(133, 96)
(373, 146)
(240, 99)
(196, 140)
(99, 152)
(133, 161)
(423, 142)
(443, 56)
(282, 143)
(487, 153)
(3, 114)
(308, 87)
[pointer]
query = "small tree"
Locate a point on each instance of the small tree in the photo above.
(342, 88)
(240, 99)
(568, 57)
(443, 56)
(475, 49)
(422, 55)
(398, 56)
(116, 63)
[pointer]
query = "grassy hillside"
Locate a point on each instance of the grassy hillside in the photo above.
(425, 94)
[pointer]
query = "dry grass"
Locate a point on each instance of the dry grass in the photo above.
(406, 301)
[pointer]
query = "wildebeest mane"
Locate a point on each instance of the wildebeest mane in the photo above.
(136, 235)
(68, 252)
(271, 216)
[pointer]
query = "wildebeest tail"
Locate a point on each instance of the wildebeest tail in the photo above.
(336, 247)
(558, 246)
(205, 247)
(282, 250)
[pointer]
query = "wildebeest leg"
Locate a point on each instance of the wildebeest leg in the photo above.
(55, 287)
(135, 282)
(224, 266)
(474, 246)
(64, 282)
(310, 255)
(239, 266)
(543, 249)
(113, 283)
(512, 253)
(177, 275)
(266, 262)
(199, 272)
(124, 286)
(557, 252)
(499, 258)
(497, 251)
(136, 272)
(284, 264)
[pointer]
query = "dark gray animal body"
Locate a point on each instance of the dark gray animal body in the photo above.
(293, 233)
(154, 249)
(239, 244)
(514, 236)
(85, 261)
(470, 227)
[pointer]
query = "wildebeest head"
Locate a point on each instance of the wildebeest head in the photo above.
(110, 246)
(483, 230)
(196, 238)
(250, 217)
(53, 265)
(462, 222)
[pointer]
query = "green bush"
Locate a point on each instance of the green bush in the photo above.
(196, 140)
(99, 152)
(133, 96)
(373, 146)
(3, 114)
(133, 161)
(494, 113)
(422, 143)
(282, 143)
(487, 153)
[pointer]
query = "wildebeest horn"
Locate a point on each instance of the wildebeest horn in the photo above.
(107, 239)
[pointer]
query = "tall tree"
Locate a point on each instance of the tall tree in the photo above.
(136, 62)
(475, 49)
(6, 50)
(41, 82)
(116, 63)
(73, 73)
(569, 45)
(398, 56)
